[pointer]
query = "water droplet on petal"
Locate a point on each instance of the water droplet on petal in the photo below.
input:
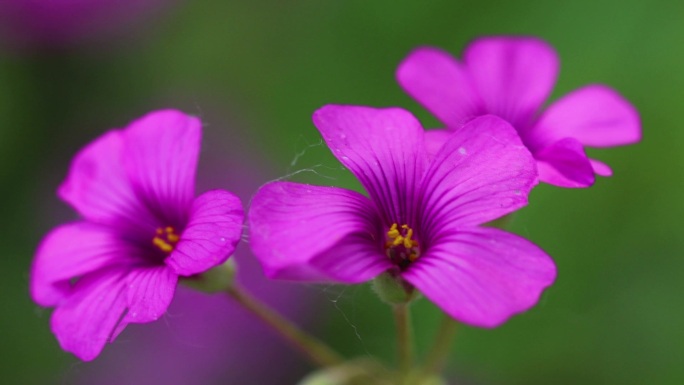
(517, 192)
(462, 151)
(223, 239)
(345, 158)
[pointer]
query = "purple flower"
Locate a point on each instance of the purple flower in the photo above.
(142, 229)
(420, 220)
(512, 77)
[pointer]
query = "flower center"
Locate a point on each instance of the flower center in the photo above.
(165, 239)
(401, 247)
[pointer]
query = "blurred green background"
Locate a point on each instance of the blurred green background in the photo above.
(256, 70)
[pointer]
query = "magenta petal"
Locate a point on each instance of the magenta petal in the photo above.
(434, 140)
(149, 293)
(594, 115)
(98, 188)
(565, 164)
(210, 237)
(482, 276)
(513, 75)
(384, 149)
(601, 168)
(160, 157)
(482, 172)
(87, 319)
(441, 84)
(70, 251)
(312, 233)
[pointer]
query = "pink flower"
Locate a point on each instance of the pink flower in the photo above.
(420, 220)
(142, 229)
(512, 77)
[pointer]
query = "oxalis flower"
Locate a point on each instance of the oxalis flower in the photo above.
(420, 219)
(511, 77)
(142, 228)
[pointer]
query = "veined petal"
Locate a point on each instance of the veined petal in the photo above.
(441, 84)
(312, 233)
(211, 235)
(160, 157)
(384, 149)
(434, 140)
(482, 276)
(595, 115)
(481, 173)
(149, 293)
(87, 319)
(513, 75)
(71, 251)
(99, 189)
(102, 303)
(565, 164)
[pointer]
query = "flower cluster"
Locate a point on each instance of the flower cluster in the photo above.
(419, 225)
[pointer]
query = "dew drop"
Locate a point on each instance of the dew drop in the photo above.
(345, 158)
(462, 151)
(343, 136)
(517, 192)
(223, 239)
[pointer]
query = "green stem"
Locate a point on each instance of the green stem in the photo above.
(441, 346)
(318, 352)
(402, 318)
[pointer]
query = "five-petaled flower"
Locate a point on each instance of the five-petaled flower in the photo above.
(420, 219)
(511, 78)
(142, 228)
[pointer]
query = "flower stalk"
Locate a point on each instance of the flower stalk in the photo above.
(316, 351)
(402, 318)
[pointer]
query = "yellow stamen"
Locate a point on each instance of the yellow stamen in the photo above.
(160, 243)
(402, 236)
(393, 232)
(398, 240)
(408, 243)
(166, 239)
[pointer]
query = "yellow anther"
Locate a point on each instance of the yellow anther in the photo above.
(400, 243)
(408, 243)
(161, 244)
(393, 232)
(166, 239)
(398, 240)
